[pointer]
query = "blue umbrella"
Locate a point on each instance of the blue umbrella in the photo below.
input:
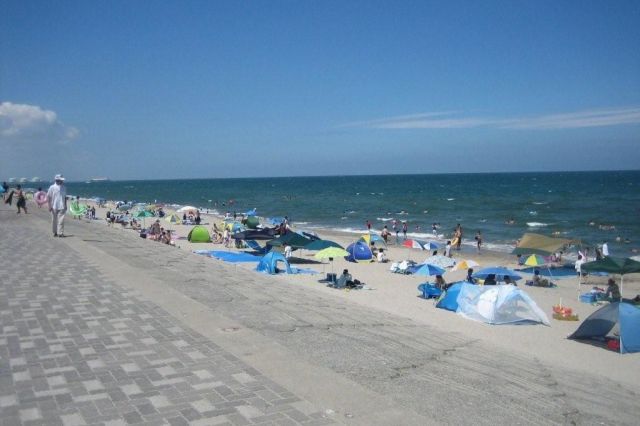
(499, 272)
(430, 245)
(428, 270)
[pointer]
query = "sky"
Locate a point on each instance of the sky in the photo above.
(198, 89)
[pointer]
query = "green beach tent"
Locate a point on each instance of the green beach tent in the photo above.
(199, 234)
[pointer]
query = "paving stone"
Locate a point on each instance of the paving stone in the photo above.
(79, 349)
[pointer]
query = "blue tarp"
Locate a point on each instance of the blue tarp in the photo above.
(229, 256)
(563, 272)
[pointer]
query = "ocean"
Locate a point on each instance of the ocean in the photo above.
(591, 206)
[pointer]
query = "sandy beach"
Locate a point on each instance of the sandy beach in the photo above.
(397, 294)
(361, 357)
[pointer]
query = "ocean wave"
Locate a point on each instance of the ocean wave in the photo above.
(540, 203)
(384, 219)
(536, 224)
(450, 199)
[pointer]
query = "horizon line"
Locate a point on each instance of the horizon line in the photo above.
(359, 175)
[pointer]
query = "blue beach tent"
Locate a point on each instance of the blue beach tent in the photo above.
(450, 299)
(270, 261)
(600, 323)
(359, 252)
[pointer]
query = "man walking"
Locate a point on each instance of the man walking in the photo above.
(57, 200)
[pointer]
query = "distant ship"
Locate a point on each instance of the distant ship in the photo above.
(98, 179)
(23, 180)
(35, 179)
(12, 180)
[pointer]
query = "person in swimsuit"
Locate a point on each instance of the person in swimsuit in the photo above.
(22, 201)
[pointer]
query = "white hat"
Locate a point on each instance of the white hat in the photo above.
(59, 177)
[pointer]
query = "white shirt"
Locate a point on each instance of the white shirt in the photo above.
(56, 197)
(605, 249)
(287, 251)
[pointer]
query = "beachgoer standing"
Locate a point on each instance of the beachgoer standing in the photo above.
(479, 240)
(22, 201)
(605, 249)
(368, 223)
(40, 197)
(385, 234)
(578, 265)
(447, 249)
(57, 200)
(404, 229)
(458, 235)
(434, 229)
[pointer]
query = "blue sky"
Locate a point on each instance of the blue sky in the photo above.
(146, 90)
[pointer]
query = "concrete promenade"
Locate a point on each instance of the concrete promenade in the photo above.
(103, 327)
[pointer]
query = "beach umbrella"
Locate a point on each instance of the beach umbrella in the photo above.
(465, 264)
(186, 209)
(535, 260)
(441, 261)
(143, 214)
(429, 270)
(413, 244)
(373, 238)
(321, 245)
(613, 265)
(331, 253)
(430, 245)
(499, 273)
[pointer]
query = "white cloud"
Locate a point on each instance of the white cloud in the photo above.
(449, 120)
(20, 123)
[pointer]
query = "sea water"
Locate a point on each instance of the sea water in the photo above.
(592, 206)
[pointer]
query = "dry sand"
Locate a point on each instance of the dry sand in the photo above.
(397, 294)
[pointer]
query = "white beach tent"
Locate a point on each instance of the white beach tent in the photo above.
(501, 304)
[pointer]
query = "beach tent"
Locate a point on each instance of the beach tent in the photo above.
(600, 323)
(294, 239)
(541, 244)
(321, 245)
(199, 234)
(450, 299)
(359, 252)
(255, 234)
(504, 304)
(269, 262)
